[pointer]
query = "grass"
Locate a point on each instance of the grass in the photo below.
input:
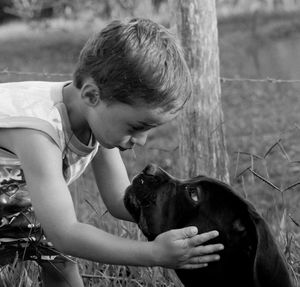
(262, 130)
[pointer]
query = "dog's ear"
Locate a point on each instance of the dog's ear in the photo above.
(270, 267)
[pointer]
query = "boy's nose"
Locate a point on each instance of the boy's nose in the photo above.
(140, 139)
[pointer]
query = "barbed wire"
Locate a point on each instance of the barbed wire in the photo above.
(27, 73)
(222, 79)
(262, 80)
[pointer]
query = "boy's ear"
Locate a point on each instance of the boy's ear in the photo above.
(90, 94)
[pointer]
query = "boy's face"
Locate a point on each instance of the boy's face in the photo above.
(123, 126)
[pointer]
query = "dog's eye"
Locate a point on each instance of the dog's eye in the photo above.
(193, 192)
(138, 180)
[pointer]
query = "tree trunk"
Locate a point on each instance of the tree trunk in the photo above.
(201, 126)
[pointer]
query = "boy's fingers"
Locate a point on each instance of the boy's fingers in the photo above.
(186, 232)
(204, 259)
(202, 238)
(207, 249)
(200, 261)
(194, 266)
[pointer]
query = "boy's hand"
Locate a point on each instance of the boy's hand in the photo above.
(181, 248)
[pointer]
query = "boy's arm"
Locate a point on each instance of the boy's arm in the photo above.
(112, 180)
(42, 165)
(52, 202)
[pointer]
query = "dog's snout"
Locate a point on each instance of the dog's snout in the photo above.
(150, 169)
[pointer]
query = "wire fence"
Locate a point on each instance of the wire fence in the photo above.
(222, 79)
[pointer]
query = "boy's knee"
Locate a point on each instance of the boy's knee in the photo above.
(59, 267)
(63, 273)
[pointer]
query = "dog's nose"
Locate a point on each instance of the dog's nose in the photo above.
(150, 169)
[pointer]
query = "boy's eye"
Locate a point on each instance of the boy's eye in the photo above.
(140, 128)
(137, 128)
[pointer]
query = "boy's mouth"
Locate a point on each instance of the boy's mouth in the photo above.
(125, 148)
(122, 148)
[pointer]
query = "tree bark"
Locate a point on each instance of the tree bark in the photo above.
(202, 144)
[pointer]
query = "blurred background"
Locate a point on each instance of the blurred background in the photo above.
(259, 47)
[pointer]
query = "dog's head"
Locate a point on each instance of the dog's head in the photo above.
(159, 202)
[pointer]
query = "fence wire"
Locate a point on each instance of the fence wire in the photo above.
(222, 79)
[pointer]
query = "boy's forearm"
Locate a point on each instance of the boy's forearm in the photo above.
(119, 211)
(106, 248)
(112, 180)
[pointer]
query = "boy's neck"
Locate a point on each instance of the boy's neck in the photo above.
(79, 126)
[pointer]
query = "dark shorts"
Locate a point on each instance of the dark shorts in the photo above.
(21, 235)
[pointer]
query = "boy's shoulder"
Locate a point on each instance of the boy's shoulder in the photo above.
(30, 97)
(32, 105)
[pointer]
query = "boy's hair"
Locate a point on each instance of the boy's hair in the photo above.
(138, 62)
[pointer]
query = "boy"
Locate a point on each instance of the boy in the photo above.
(130, 78)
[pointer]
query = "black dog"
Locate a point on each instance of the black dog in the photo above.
(159, 202)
